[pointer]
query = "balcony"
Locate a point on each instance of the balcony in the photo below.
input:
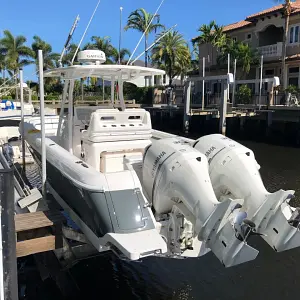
(271, 51)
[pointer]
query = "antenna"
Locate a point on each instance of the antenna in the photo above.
(153, 44)
(145, 31)
(86, 29)
(120, 38)
(68, 40)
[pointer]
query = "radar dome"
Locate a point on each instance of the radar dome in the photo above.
(91, 57)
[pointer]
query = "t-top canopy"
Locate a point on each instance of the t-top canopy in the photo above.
(107, 72)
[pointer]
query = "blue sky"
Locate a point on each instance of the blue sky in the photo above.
(52, 20)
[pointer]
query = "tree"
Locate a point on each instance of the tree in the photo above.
(103, 44)
(172, 54)
(243, 53)
(211, 35)
(195, 59)
(2, 65)
(16, 53)
(67, 58)
(139, 20)
(49, 57)
(287, 7)
(123, 53)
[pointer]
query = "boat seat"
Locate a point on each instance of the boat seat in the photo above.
(112, 125)
(116, 161)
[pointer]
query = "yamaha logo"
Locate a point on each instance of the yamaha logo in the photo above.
(210, 151)
(156, 161)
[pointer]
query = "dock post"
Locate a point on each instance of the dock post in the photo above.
(187, 105)
(233, 89)
(269, 123)
(203, 84)
(223, 108)
(42, 115)
(22, 119)
(8, 241)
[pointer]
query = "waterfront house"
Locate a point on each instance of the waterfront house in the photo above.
(263, 31)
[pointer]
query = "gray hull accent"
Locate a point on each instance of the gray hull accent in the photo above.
(103, 212)
(127, 206)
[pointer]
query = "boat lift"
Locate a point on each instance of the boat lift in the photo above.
(226, 80)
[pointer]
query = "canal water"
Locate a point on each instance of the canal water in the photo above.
(271, 276)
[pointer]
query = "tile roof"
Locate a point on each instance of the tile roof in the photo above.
(236, 25)
(277, 8)
(249, 19)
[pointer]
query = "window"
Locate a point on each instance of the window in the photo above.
(234, 38)
(293, 81)
(294, 34)
(294, 70)
(164, 79)
(269, 72)
(248, 36)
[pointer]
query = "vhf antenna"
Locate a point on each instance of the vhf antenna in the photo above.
(68, 40)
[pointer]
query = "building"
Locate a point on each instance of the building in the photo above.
(154, 80)
(263, 31)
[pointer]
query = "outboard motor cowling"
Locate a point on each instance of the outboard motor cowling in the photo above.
(234, 173)
(176, 176)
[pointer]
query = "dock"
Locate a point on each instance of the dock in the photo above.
(38, 232)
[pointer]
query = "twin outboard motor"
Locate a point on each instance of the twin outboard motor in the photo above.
(175, 175)
(234, 173)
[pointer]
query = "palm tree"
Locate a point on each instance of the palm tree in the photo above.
(242, 52)
(140, 20)
(103, 44)
(287, 7)
(49, 57)
(123, 53)
(195, 59)
(211, 35)
(16, 53)
(219, 37)
(67, 59)
(206, 36)
(2, 65)
(172, 54)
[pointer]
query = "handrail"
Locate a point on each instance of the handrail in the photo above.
(76, 102)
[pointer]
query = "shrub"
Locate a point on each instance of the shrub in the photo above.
(244, 94)
(51, 97)
(292, 89)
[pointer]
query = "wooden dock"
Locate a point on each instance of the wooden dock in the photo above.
(38, 232)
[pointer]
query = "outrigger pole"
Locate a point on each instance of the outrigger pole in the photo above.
(86, 29)
(153, 44)
(68, 40)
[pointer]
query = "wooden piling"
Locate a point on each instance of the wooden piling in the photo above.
(10, 277)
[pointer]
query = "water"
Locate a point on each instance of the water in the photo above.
(271, 276)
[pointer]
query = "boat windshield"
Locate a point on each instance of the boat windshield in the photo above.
(83, 114)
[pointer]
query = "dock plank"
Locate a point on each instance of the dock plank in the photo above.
(37, 220)
(38, 245)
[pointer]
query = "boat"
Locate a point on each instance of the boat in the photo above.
(140, 192)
